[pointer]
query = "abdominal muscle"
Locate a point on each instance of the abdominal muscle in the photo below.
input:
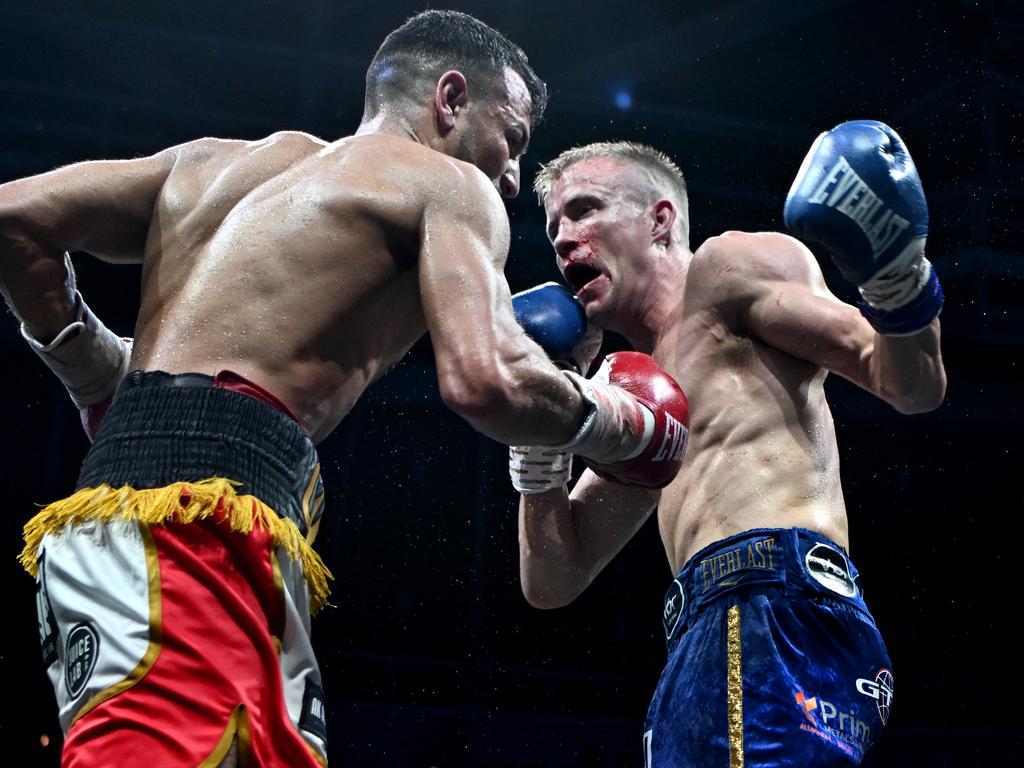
(762, 451)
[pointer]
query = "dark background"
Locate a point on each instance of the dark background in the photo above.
(431, 656)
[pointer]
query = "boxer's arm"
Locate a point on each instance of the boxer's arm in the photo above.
(777, 288)
(489, 371)
(566, 539)
(102, 207)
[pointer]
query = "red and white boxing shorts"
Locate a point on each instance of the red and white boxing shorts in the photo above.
(174, 616)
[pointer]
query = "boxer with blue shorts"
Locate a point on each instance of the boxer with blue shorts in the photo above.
(773, 657)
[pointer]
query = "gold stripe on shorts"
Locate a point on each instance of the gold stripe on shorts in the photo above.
(734, 657)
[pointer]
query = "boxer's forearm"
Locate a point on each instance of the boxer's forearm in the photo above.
(550, 570)
(34, 278)
(908, 370)
(519, 399)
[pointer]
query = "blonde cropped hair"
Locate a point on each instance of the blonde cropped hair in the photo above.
(666, 178)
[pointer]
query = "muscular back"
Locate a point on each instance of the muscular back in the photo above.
(289, 260)
(762, 450)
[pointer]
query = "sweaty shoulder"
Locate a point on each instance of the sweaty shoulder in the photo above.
(439, 178)
(209, 148)
(736, 262)
(447, 192)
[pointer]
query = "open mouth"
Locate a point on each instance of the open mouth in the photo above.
(579, 274)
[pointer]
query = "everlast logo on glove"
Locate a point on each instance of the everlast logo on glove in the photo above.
(662, 433)
(674, 441)
(845, 191)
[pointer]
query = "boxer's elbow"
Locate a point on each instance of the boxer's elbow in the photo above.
(545, 599)
(16, 224)
(11, 219)
(926, 397)
(919, 388)
(548, 596)
(473, 389)
(550, 578)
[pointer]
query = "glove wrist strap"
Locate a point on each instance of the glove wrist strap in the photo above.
(618, 428)
(90, 364)
(915, 310)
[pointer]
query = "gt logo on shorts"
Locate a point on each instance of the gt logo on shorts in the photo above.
(80, 654)
(879, 689)
(674, 603)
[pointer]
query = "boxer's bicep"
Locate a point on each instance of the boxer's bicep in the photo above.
(781, 299)
(103, 207)
(813, 327)
(466, 299)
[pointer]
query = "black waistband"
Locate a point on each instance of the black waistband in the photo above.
(795, 560)
(166, 428)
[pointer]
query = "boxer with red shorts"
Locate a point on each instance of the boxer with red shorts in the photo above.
(174, 604)
(309, 268)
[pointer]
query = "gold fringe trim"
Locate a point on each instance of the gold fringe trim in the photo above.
(179, 503)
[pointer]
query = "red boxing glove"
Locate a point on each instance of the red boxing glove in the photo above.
(657, 462)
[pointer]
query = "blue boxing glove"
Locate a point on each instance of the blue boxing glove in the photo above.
(553, 318)
(859, 195)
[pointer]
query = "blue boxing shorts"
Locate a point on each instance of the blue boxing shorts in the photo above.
(773, 659)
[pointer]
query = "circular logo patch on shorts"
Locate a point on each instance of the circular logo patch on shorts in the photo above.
(80, 654)
(829, 568)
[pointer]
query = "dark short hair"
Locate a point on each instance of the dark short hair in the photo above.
(431, 43)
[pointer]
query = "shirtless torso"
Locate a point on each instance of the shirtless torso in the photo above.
(293, 262)
(308, 267)
(762, 451)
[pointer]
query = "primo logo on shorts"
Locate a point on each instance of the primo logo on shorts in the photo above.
(80, 653)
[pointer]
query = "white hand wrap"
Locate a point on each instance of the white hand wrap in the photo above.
(618, 427)
(91, 364)
(538, 468)
(901, 281)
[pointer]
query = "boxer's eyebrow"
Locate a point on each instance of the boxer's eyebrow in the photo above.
(573, 207)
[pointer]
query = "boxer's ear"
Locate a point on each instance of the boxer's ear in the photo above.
(663, 217)
(450, 96)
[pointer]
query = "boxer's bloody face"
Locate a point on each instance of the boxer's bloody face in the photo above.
(495, 131)
(602, 235)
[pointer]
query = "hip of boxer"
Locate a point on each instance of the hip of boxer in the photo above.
(791, 562)
(174, 586)
(773, 658)
(177, 447)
